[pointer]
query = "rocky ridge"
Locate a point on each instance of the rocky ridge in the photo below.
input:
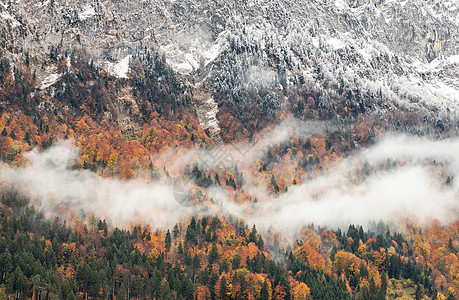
(397, 54)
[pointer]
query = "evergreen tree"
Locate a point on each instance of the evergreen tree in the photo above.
(27, 138)
(175, 232)
(213, 254)
(418, 293)
(264, 291)
(168, 240)
(223, 289)
(16, 282)
(384, 283)
(253, 235)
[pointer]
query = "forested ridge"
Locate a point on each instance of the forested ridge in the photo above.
(122, 126)
(214, 258)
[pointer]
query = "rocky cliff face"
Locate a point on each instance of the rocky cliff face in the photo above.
(396, 54)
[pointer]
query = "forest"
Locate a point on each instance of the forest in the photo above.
(123, 127)
(217, 258)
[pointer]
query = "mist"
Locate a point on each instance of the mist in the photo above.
(245, 152)
(414, 189)
(398, 178)
(50, 183)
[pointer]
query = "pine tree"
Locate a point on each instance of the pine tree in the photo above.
(223, 288)
(383, 284)
(264, 291)
(307, 144)
(253, 235)
(213, 254)
(27, 138)
(175, 231)
(418, 294)
(168, 240)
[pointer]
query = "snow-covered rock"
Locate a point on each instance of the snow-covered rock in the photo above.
(119, 69)
(50, 80)
(403, 52)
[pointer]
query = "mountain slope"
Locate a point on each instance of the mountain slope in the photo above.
(382, 55)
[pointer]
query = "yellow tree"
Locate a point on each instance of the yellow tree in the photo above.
(301, 292)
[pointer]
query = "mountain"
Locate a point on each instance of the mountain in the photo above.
(225, 149)
(380, 55)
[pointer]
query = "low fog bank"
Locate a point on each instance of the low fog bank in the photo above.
(50, 182)
(400, 177)
(246, 152)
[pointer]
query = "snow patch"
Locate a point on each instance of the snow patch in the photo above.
(42, 4)
(365, 52)
(6, 15)
(50, 80)
(454, 59)
(252, 3)
(120, 69)
(436, 65)
(315, 41)
(88, 12)
(336, 43)
(341, 5)
(212, 53)
(193, 55)
(441, 89)
(192, 61)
